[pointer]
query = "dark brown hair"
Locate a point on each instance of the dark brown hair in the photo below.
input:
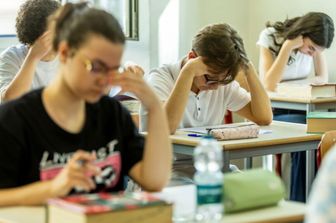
(222, 49)
(317, 26)
(74, 23)
(31, 20)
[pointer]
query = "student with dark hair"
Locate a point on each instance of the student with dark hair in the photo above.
(72, 124)
(32, 63)
(197, 90)
(287, 51)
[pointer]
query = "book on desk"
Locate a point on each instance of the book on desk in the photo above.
(306, 90)
(320, 122)
(139, 207)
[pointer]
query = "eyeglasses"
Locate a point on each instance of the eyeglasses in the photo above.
(214, 80)
(97, 66)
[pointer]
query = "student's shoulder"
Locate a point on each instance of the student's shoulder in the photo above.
(17, 52)
(28, 100)
(14, 114)
(170, 71)
(330, 160)
(268, 31)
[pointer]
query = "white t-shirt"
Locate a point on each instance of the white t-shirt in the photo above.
(11, 61)
(205, 108)
(299, 68)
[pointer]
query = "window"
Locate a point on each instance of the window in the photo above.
(126, 11)
(8, 11)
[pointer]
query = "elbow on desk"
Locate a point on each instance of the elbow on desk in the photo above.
(264, 120)
(172, 128)
(154, 187)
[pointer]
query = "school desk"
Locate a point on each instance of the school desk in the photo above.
(183, 198)
(285, 211)
(285, 137)
(302, 104)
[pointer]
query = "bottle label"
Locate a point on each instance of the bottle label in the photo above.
(209, 194)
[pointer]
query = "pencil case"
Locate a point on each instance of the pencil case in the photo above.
(235, 132)
(251, 189)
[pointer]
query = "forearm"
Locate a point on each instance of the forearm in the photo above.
(241, 79)
(177, 101)
(274, 75)
(31, 194)
(157, 158)
(23, 79)
(321, 68)
(260, 103)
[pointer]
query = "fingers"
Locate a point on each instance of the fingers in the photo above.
(84, 162)
(80, 180)
(126, 79)
(134, 68)
(196, 66)
(80, 170)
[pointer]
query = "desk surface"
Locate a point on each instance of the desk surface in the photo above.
(282, 133)
(23, 215)
(286, 211)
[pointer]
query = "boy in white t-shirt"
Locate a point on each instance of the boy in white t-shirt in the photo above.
(198, 90)
(31, 64)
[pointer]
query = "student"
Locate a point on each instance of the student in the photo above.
(287, 51)
(30, 64)
(71, 122)
(197, 90)
(322, 200)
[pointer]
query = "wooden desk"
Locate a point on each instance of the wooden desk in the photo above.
(303, 104)
(285, 138)
(286, 211)
(23, 215)
(184, 199)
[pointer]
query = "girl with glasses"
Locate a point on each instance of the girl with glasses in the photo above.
(71, 127)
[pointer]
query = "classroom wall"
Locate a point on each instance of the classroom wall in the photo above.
(248, 18)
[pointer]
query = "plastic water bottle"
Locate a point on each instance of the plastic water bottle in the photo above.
(209, 180)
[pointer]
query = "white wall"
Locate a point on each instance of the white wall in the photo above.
(248, 17)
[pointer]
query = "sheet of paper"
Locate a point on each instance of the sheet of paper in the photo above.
(264, 131)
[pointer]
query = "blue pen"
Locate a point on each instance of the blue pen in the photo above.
(195, 135)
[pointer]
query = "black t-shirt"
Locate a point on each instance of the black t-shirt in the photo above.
(32, 145)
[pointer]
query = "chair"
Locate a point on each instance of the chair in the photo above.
(327, 141)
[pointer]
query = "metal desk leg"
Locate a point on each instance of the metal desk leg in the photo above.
(310, 169)
(310, 107)
(248, 163)
(226, 161)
